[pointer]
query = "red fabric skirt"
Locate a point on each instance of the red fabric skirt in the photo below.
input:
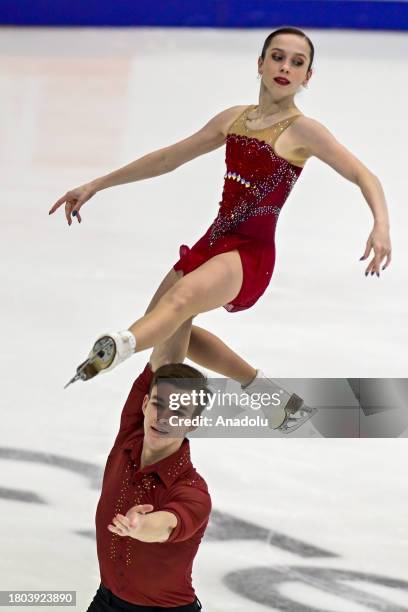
(258, 261)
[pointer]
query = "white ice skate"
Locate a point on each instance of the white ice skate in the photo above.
(108, 351)
(291, 412)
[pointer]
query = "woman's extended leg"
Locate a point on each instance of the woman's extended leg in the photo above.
(201, 346)
(211, 285)
(209, 351)
(206, 349)
(174, 348)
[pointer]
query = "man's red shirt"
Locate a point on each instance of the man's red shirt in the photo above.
(145, 573)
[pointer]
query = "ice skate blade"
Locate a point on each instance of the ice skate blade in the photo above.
(74, 379)
(85, 371)
(291, 423)
(100, 359)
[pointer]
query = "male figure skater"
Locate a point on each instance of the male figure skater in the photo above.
(154, 506)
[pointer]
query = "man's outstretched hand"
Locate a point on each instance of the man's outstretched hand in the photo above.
(131, 524)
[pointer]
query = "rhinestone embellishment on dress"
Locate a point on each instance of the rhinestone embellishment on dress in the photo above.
(236, 177)
(238, 206)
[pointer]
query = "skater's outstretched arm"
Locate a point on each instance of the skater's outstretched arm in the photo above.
(164, 160)
(319, 141)
(140, 523)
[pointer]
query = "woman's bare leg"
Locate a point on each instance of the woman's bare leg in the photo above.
(209, 351)
(173, 349)
(209, 286)
(198, 344)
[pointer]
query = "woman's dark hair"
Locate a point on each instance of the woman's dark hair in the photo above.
(289, 30)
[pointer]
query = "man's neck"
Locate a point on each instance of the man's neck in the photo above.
(150, 456)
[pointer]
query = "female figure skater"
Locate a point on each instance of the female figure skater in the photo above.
(267, 146)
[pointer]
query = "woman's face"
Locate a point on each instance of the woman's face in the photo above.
(286, 59)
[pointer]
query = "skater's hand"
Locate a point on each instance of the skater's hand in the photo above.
(130, 524)
(378, 240)
(74, 200)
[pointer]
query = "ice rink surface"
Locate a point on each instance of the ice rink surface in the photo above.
(302, 524)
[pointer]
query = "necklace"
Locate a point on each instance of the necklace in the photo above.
(257, 118)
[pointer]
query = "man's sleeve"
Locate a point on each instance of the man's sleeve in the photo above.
(131, 420)
(192, 508)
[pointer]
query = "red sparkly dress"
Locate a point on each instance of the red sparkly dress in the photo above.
(256, 185)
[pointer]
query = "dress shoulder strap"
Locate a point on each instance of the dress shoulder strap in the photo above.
(239, 122)
(239, 125)
(269, 134)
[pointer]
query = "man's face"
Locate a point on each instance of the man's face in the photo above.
(161, 423)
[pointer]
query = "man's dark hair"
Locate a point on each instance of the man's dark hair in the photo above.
(187, 379)
(288, 30)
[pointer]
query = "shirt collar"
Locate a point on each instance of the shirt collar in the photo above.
(169, 468)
